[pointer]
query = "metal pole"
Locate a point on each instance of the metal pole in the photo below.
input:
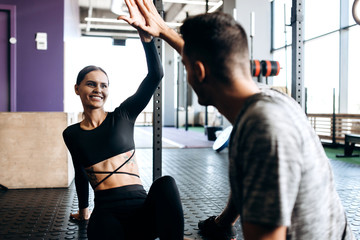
(186, 106)
(286, 66)
(333, 120)
(343, 57)
(306, 94)
(206, 108)
(177, 95)
(157, 111)
(297, 89)
(206, 116)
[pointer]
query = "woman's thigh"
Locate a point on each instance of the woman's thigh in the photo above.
(114, 224)
(103, 225)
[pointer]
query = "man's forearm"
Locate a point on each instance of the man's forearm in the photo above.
(229, 215)
(173, 39)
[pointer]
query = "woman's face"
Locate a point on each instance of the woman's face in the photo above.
(93, 89)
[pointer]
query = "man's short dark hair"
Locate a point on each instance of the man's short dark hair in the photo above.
(217, 40)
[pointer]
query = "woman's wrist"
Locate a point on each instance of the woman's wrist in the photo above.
(84, 213)
(145, 37)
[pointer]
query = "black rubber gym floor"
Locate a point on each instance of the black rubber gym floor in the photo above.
(202, 178)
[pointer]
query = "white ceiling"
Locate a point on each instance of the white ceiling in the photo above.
(175, 12)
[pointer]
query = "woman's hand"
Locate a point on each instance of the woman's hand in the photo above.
(81, 215)
(145, 18)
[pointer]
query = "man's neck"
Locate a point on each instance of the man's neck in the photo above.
(234, 98)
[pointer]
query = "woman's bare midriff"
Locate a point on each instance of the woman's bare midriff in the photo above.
(115, 180)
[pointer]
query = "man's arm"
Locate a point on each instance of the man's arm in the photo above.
(251, 231)
(259, 232)
(229, 215)
(145, 17)
(173, 39)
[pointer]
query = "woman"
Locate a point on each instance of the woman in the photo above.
(103, 153)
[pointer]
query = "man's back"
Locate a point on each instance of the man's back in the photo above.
(279, 173)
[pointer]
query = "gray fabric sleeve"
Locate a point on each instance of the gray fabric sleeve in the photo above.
(271, 171)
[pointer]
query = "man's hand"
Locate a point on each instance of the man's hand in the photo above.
(212, 230)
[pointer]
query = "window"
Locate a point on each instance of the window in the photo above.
(281, 18)
(321, 72)
(353, 74)
(321, 17)
(284, 77)
(323, 53)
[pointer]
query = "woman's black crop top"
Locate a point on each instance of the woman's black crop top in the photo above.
(115, 135)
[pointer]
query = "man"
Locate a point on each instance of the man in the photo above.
(281, 181)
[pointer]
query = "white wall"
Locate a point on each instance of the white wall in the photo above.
(262, 38)
(125, 66)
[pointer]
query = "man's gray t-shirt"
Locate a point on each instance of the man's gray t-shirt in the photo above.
(279, 173)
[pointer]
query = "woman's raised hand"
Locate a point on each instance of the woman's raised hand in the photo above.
(144, 17)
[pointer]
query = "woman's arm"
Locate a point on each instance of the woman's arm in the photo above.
(82, 190)
(137, 102)
(81, 182)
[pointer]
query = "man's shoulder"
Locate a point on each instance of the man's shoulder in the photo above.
(268, 102)
(266, 113)
(260, 106)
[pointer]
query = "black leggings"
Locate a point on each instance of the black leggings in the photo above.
(129, 213)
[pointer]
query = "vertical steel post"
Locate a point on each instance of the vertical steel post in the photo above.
(297, 17)
(178, 94)
(157, 110)
(206, 108)
(186, 106)
(333, 130)
(343, 57)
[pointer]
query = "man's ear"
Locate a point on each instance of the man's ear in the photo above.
(200, 72)
(77, 89)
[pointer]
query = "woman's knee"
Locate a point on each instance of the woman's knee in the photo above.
(164, 189)
(164, 181)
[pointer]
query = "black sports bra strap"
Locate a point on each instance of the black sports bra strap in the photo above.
(115, 170)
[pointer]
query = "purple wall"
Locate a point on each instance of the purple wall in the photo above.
(39, 73)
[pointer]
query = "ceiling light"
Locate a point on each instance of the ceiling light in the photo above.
(110, 20)
(190, 2)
